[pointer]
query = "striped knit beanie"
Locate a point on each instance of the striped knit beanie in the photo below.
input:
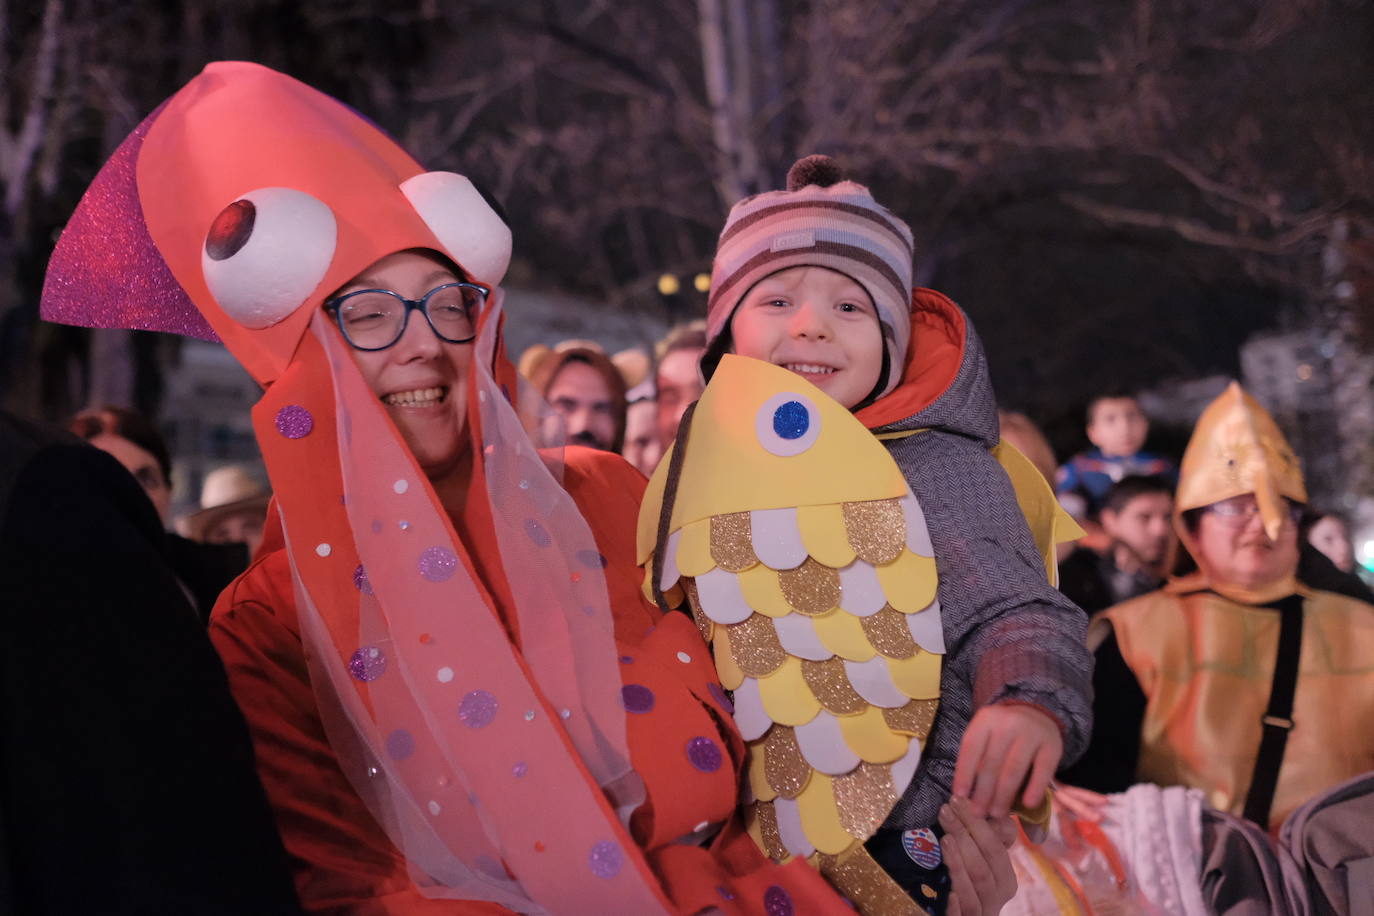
(821, 220)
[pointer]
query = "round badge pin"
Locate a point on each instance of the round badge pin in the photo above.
(922, 846)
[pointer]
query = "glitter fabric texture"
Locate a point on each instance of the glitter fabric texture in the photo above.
(367, 663)
(754, 646)
(888, 632)
(360, 580)
(637, 698)
(400, 744)
(704, 754)
(106, 272)
(863, 798)
(437, 564)
(829, 681)
(784, 766)
(791, 420)
(478, 709)
(731, 546)
(811, 588)
(777, 902)
(768, 830)
(863, 881)
(915, 718)
(876, 529)
(705, 625)
(294, 421)
(605, 859)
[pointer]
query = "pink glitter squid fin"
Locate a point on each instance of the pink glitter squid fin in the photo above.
(105, 271)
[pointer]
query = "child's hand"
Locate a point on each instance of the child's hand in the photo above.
(1007, 746)
(981, 876)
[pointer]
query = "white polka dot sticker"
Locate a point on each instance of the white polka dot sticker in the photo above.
(434, 808)
(684, 658)
(565, 713)
(400, 486)
(324, 550)
(445, 675)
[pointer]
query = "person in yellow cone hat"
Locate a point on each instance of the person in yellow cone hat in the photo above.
(1239, 678)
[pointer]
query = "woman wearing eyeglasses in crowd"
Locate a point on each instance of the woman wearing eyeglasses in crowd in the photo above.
(1237, 678)
(459, 698)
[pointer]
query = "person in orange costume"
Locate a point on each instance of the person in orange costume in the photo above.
(459, 699)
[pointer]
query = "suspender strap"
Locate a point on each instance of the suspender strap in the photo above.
(1278, 719)
(665, 512)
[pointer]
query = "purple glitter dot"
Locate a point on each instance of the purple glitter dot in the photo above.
(724, 892)
(626, 659)
(437, 564)
(400, 744)
(704, 754)
(591, 559)
(606, 859)
(719, 696)
(367, 664)
(637, 698)
(589, 610)
(478, 709)
(294, 421)
(777, 902)
(537, 533)
(360, 580)
(376, 526)
(519, 770)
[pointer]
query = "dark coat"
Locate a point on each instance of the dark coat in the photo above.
(127, 782)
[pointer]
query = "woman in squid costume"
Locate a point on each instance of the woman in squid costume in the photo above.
(459, 699)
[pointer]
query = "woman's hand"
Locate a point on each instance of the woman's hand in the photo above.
(975, 851)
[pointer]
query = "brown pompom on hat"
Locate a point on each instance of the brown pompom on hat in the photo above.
(821, 220)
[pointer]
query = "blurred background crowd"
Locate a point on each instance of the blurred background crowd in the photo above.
(1129, 197)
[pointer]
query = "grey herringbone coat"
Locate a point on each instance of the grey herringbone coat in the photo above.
(1010, 636)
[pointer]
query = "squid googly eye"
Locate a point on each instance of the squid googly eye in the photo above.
(266, 252)
(787, 424)
(466, 225)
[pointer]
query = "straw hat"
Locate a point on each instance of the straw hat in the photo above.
(227, 491)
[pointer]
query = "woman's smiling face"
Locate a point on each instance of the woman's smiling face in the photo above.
(421, 379)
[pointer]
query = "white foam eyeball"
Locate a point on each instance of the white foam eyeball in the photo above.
(266, 252)
(471, 232)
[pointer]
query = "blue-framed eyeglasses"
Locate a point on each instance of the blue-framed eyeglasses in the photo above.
(374, 319)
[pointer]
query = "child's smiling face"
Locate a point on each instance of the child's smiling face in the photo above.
(817, 323)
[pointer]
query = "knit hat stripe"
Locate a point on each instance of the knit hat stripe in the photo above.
(837, 250)
(867, 214)
(804, 230)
